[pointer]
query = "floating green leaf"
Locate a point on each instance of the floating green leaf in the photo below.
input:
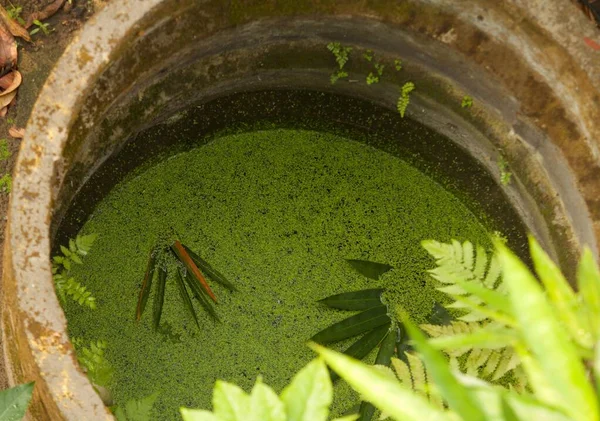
(146, 286)
(384, 357)
(14, 402)
(371, 270)
(185, 297)
(213, 274)
(352, 326)
(199, 293)
(355, 300)
(159, 298)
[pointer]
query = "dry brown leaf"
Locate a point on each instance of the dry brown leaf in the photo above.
(10, 82)
(8, 50)
(45, 13)
(16, 132)
(12, 26)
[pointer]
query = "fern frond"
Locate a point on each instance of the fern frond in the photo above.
(413, 373)
(491, 362)
(94, 362)
(404, 98)
(79, 293)
(462, 263)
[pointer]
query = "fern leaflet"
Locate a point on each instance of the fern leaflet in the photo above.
(61, 265)
(93, 361)
(412, 373)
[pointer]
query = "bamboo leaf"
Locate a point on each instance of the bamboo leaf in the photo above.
(384, 357)
(456, 395)
(381, 388)
(201, 296)
(209, 270)
(545, 336)
(355, 300)
(371, 270)
(185, 297)
(189, 264)
(352, 326)
(14, 402)
(159, 299)
(146, 285)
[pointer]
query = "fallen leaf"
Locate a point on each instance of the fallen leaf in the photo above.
(591, 43)
(45, 13)
(8, 50)
(16, 132)
(12, 26)
(10, 82)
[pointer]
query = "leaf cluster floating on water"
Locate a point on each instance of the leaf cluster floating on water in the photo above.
(190, 274)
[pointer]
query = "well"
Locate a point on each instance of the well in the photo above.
(142, 64)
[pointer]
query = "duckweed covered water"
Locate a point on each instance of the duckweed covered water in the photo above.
(277, 212)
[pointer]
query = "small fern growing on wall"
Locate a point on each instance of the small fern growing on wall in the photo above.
(341, 55)
(404, 98)
(66, 285)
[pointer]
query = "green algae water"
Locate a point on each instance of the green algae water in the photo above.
(277, 212)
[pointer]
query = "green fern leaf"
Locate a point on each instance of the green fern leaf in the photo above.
(412, 373)
(84, 243)
(92, 359)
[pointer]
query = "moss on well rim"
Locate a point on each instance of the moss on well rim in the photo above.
(277, 212)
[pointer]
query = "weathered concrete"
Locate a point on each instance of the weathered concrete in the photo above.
(524, 62)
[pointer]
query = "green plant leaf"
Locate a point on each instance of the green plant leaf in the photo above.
(199, 293)
(185, 297)
(159, 298)
(84, 243)
(588, 279)
(140, 410)
(265, 405)
(119, 413)
(191, 267)
(230, 403)
(384, 357)
(14, 402)
(381, 388)
(308, 396)
(355, 300)
(371, 270)
(146, 285)
(480, 338)
(560, 293)
(197, 415)
(456, 395)
(545, 337)
(352, 417)
(209, 270)
(352, 326)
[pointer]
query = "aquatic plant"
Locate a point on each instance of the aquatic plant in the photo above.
(306, 398)
(398, 64)
(188, 272)
(404, 98)
(65, 284)
(14, 402)
(553, 328)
